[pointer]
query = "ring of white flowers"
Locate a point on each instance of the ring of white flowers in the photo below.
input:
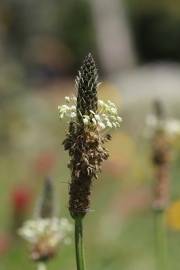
(106, 117)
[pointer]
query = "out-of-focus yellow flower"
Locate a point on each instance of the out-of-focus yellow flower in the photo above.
(173, 215)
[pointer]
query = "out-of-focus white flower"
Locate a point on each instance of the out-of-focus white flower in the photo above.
(53, 230)
(106, 117)
(45, 234)
(170, 126)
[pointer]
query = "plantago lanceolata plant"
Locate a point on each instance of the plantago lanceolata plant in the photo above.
(45, 232)
(89, 119)
(162, 131)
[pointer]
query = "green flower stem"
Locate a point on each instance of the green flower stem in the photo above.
(41, 266)
(80, 261)
(161, 247)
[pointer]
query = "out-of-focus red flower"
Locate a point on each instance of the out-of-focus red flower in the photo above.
(4, 243)
(21, 198)
(45, 162)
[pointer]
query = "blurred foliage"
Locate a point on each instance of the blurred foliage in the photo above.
(69, 21)
(77, 29)
(11, 91)
(156, 27)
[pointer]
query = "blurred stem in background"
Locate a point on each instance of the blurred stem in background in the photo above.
(80, 261)
(161, 245)
(161, 164)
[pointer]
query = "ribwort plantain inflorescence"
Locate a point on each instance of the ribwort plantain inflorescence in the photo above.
(45, 232)
(84, 141)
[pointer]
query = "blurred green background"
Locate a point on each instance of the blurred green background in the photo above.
(42, 43)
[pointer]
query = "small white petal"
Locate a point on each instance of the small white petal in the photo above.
(113, 110)
(73, 115)
(65, 107)
(101, 125)
(85, 121)
(109, 124)
(94, 121)
(117, 124)
(111, 103)
(92, 112)
(61, 116)
(100, 102)
(73, 107)
(67, 99)
(97, 117)
(119, 119)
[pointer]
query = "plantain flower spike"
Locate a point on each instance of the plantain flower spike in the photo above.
(45, 232)
(85, 140)
(161, 159)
